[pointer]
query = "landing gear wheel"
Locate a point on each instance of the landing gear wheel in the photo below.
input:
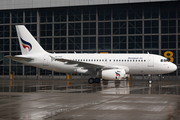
(97, 80)
(91, 80)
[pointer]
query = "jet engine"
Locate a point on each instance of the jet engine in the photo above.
(112, 74)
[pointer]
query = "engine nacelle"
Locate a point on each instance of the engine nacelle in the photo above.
(113, 74)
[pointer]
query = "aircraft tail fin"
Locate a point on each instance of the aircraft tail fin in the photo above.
(28, 43)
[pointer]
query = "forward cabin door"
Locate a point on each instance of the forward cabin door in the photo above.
(45, 60)
(150, 61)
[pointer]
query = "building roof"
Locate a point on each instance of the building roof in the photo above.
(25, 4)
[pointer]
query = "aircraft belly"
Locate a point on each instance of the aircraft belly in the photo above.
(135, 70)
(61, 67)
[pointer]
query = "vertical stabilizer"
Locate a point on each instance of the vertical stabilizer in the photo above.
(28, 43)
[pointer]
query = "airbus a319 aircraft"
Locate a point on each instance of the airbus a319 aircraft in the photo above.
(101, 66)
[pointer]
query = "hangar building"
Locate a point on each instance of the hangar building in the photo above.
(90, 26)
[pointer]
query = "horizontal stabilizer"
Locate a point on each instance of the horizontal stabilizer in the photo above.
(19, 58)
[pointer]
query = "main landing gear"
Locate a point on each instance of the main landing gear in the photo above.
(93, 80)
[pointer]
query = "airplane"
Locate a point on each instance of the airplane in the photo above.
(102, 66)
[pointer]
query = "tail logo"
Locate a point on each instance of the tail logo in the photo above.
(117, 74)
(26, 44)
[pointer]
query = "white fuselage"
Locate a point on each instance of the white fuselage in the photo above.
(132, 63)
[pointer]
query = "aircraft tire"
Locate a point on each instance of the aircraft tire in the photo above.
(97, 80)
(91, 80)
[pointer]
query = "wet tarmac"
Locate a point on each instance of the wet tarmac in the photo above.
(78, 100)
(81, 86)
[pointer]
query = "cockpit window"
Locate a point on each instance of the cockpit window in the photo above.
(164, 60)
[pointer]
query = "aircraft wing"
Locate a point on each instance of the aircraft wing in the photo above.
(19, 58)
(86, 65)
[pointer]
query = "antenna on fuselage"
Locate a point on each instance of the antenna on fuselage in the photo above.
(147, 52)
(74, 52)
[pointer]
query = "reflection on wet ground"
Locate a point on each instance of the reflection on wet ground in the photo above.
(78, 100)
(81, 86)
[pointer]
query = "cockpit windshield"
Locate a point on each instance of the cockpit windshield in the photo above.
(164, 60)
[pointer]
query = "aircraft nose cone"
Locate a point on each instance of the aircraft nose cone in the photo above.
(173, 67)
